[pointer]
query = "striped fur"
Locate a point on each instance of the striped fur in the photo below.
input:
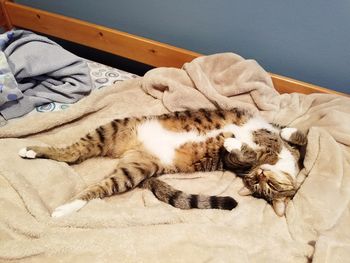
(179, 199)
(198, 139)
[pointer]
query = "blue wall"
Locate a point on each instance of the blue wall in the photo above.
(306, 40)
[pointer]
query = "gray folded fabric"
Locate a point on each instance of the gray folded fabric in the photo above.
(44, 71)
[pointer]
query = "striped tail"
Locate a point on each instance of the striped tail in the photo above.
(179, 199)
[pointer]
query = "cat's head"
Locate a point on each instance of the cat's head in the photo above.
(275, 179)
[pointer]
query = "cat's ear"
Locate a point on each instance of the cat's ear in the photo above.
(244, 191)
(279, 205)
(294, 136)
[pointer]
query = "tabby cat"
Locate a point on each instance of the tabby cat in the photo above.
(264, 155)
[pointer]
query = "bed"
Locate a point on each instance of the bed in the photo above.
(135, 226)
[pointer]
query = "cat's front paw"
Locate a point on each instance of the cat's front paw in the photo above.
(68, 208)
(231, 144)
(27, 153)
(286, 133)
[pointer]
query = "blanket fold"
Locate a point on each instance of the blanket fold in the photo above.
(135, 226)
(213, 79)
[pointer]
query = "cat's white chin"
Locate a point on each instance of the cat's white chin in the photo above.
(68, 208)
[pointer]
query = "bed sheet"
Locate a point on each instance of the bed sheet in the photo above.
(101, 76)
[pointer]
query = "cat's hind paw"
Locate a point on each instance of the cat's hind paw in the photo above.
(25, 153)
(231, 144)
(68, 208)
(286, 133)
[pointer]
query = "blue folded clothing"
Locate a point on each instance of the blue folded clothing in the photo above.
(9, 90)
(34, 71)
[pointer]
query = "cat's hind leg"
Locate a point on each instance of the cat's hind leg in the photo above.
(91, 145)
(132, 169)
(74, 153)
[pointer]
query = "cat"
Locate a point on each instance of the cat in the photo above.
(266, 156)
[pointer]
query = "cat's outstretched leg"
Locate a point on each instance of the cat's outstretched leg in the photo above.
(294, 136)
(91, 145)
(132, 169)
(72, 154)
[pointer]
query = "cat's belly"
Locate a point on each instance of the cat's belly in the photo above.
(163, 143)
(244, 133)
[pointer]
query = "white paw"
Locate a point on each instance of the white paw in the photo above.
(27, 154)
(286, 133)
(232, 144)
(68, 208)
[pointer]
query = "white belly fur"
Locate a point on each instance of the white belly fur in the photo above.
(162, 143)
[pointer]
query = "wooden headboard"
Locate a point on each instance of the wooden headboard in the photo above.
(126, 45)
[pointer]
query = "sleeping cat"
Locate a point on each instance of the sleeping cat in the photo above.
(264, 155)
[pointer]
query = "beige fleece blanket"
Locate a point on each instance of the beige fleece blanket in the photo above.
(135, 226)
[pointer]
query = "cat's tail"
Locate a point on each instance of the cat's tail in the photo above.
(179, 199)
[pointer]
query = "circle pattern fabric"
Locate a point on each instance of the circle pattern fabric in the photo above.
(101, 76)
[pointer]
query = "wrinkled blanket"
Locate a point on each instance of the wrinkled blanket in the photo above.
(38, 71)
(135, 226)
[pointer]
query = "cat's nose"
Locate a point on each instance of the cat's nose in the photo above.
(261, 174)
